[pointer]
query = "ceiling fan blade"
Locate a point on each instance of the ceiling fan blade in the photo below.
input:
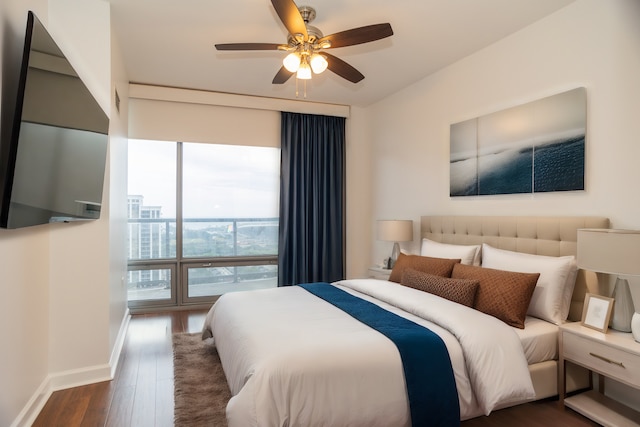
(282, 76)
(248, 46)
(343, 69)
(358, 35)
(290, 17)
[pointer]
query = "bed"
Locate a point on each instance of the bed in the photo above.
(294, 357)
(550, 236)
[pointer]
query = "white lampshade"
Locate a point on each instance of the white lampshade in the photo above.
(318, 63)
(609, 251)
(304, 72)
(291, 62)
(396, 230)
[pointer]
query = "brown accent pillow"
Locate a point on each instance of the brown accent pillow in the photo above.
(502, 294)
(437, 266)
(462, 291)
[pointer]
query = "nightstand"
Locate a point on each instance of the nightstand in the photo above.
(379, 273)
(613, 355)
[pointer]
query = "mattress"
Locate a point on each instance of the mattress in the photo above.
(539, 340)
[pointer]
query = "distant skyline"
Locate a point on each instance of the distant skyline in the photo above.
(219, 180)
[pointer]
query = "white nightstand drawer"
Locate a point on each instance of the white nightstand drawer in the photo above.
(597, 356)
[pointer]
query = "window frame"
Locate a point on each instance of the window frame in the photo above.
(156, 265)
(180, 265)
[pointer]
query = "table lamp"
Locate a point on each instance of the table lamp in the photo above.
(614, 252)
(395, 230)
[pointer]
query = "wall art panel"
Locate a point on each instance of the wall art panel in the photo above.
(530, 148)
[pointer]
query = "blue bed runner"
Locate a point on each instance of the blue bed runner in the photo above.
(431, 387)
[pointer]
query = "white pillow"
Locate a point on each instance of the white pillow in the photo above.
(552, 295)
(469, 254)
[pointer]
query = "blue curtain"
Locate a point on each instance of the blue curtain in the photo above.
(312, 200)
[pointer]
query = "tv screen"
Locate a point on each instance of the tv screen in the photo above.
(55, 163)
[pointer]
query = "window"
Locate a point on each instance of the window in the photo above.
(203, 220)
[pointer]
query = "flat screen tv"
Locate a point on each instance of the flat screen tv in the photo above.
(54, 161)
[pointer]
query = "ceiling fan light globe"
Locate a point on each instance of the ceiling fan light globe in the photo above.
(318, 63)
(304, 72)
(291, 62)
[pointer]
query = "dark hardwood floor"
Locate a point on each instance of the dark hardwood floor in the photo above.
(141, 394)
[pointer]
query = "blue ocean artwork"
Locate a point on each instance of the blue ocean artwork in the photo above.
(464, 177)
(559, 166)
(531, 148)
(556, 166)
(509, 173)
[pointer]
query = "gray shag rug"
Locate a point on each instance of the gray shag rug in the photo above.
(201, 392)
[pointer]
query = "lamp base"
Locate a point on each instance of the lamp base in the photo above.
(635, 326)
(395, 253)
(622, 306)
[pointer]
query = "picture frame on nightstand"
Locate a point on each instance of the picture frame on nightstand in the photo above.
(597, 312)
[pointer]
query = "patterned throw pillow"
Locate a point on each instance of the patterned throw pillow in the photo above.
(502, 294)
(436, 266)
(462, 291)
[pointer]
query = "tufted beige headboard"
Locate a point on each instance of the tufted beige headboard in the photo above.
(552, 236)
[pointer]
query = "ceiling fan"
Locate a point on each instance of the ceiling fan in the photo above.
(306, 44)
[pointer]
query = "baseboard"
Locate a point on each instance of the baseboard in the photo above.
(80, 377)
(72, 378)
(60, 381)
(33, 407)
(117, 348)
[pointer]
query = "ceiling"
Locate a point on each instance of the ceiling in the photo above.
(171, 42)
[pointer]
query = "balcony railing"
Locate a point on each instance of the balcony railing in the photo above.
(218, 255)
(155, 238)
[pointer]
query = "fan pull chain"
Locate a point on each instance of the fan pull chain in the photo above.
(304, 93)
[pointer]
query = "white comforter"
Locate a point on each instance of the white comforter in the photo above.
(292, 359)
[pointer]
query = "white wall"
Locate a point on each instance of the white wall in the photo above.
(117, 199)
(79, 259)
(358, 193)
(63, 306)
(24, 254)
(590, 43)
(83, 32)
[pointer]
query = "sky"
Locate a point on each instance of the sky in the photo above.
(220, 181)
